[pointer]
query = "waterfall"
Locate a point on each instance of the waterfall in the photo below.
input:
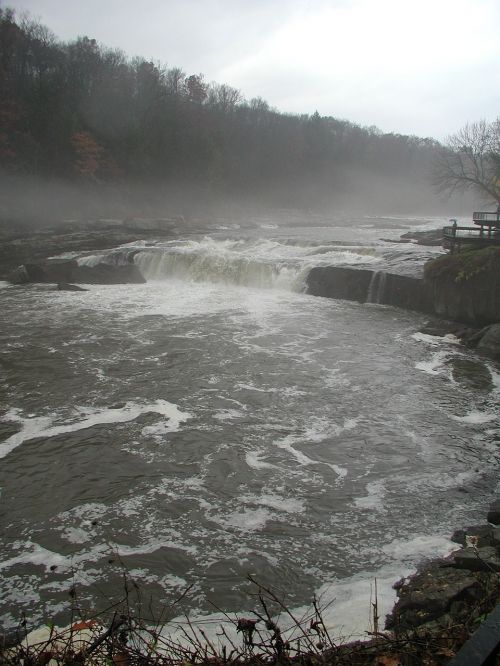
(230, 268)
(376, 287)
(261, 263)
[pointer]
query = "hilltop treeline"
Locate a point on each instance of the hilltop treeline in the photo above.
(86, 114)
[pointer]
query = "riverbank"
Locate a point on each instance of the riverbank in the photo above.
(438, 610)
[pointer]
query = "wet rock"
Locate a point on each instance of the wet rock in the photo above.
(354, 284)
(477, 559)
(339, 282)
(432, 237)
(495, 537)
(471, 373)
(482, 533)
(107, 274)
(27, 273)
(489, 342)
(65, 286)
(45, 271)
(440, 328)
(67, 271)
(59, 270)
(430, 594)
(494, 513)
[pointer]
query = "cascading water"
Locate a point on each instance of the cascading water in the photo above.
(217, 422)
(377, 287)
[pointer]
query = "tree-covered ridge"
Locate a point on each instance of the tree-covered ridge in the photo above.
(86, 113)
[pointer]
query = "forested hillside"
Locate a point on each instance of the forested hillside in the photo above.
(89, 117)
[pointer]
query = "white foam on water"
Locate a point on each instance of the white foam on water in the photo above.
(346, 603)
(151, 547)
(4, 284)
(476, 417)
(254, 460)
(374, 498)
(84, 512)
(302, 459)
(35, 554)
(495, 376)
(228, 414)
(349, 614)
(275, 502)
(317, 431)
(87, 417)
(31, 427)
(248, 520)
(76, 535)
(436, 365)
(418, 548)
(252, 387)
(436, 340)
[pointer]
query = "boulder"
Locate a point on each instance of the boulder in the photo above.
(429, 594)
(494, 513)
(483, 534)
(477, 559)
(489, 343)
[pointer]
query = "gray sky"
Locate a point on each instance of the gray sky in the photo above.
(423, 67)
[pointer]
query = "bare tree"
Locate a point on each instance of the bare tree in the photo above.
(471, 160)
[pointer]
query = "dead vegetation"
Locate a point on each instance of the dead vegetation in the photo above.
(271, 634)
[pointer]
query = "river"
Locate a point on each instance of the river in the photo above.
(217, 422)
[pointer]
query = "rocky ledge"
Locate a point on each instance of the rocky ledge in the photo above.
(463, 288)
(20, 246)
(446, 613)
(66, 272)
(448, 599)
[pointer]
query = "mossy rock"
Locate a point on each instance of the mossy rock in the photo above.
(465, 265)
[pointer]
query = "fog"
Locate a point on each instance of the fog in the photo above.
(29, 202)
(90, 133)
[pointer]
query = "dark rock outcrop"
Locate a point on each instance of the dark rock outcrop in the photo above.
(432, 237)
(477, 559)
(67, 271)
(453, 591)
(482, 534)
(64, 286)
(107, 274)
(339, 282)
(473, 303)
(21, 246)
(430, 594)
(363, 286)
(406, 292)
(494, 513)
(489, 342)
(466, 286)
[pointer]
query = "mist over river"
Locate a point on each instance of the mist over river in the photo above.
(217, 422)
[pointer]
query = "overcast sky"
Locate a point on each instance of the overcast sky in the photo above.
(423, 67)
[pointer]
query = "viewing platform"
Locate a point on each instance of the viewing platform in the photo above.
(486, 232)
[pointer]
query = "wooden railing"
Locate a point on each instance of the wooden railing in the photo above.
(474, 233)
(486, 218)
